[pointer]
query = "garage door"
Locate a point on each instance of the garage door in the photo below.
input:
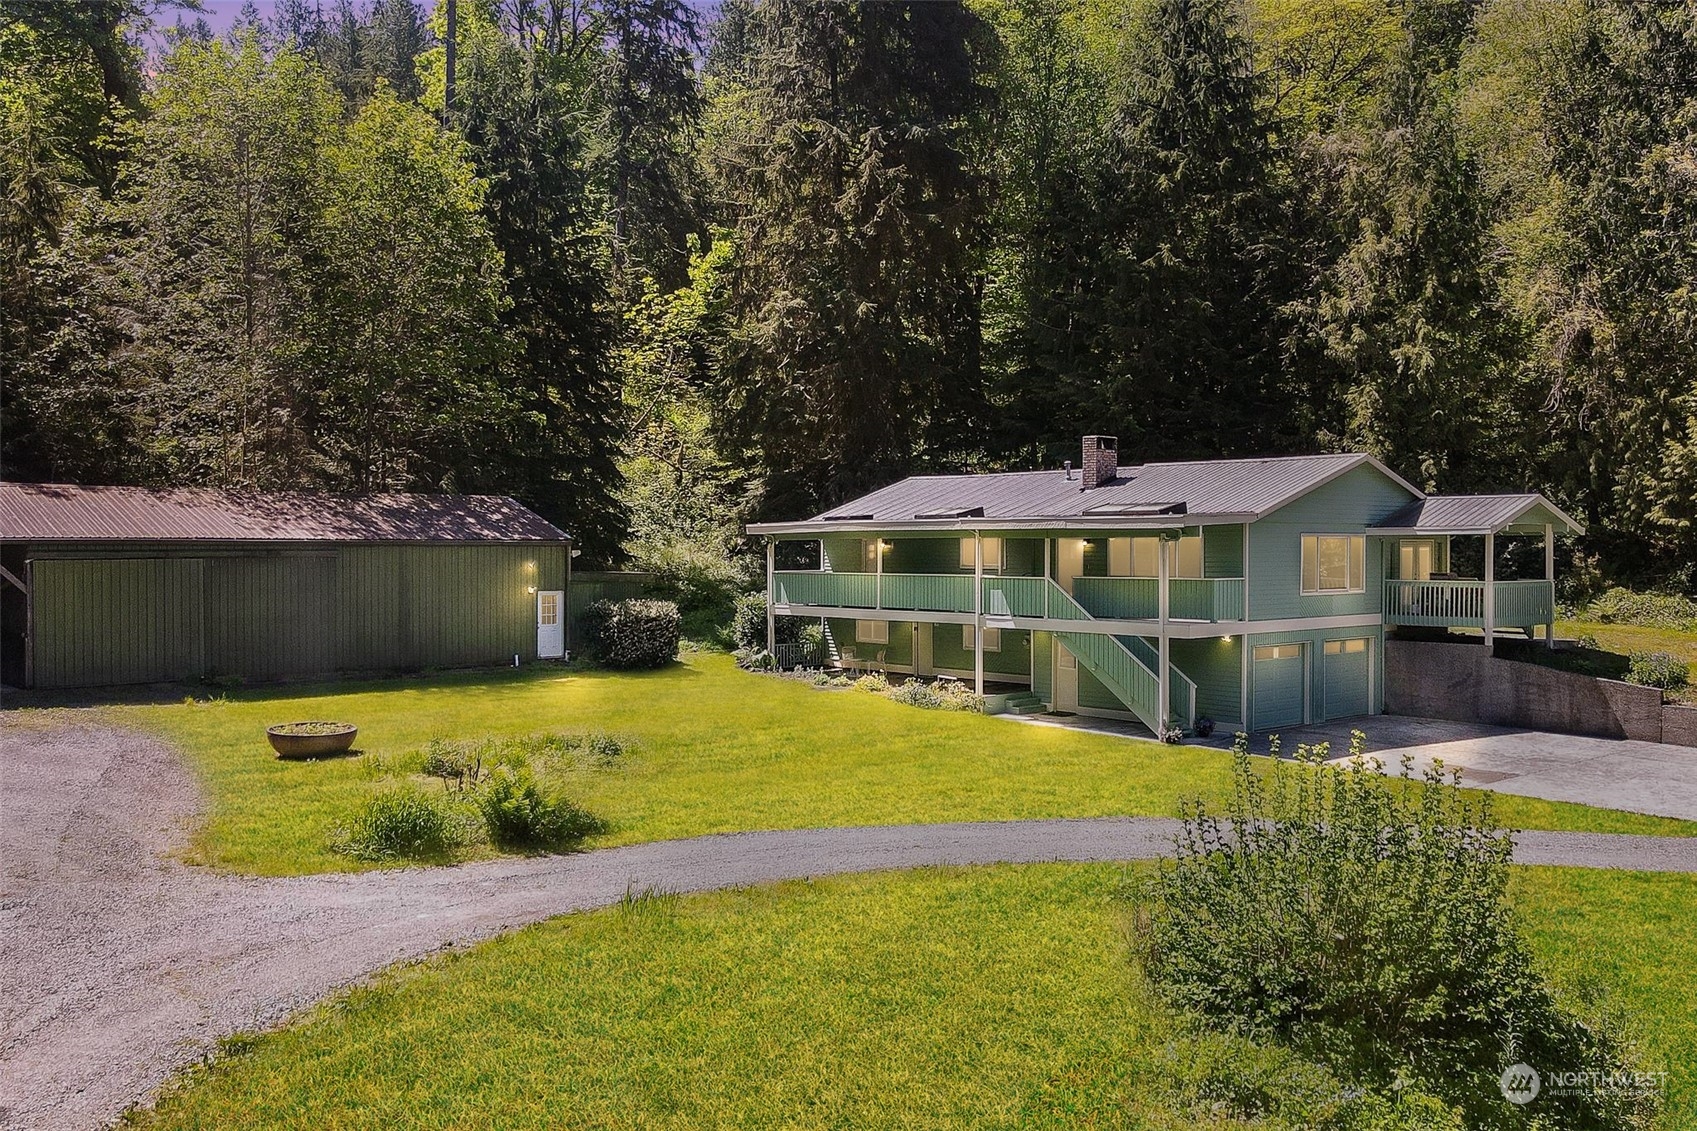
(1276, 684)
(1343, 684)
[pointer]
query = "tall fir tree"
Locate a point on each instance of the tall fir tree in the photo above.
(1186, 318)
(524, 104)
(844, 163)
(652, 105)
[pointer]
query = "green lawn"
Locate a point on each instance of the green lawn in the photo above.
(989, 997)
(1617, 642)
(714, 750)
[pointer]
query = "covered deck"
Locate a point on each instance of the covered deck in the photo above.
(1435, 599)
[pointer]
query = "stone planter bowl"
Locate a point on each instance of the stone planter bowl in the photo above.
(311, 740)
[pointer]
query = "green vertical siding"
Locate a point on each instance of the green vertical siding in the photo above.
(1222, 551)
(1094, 695)
(271, 615)
(267, 614)
(1014, 658)
(1216, 667)
(1344, 506)
(97, 623)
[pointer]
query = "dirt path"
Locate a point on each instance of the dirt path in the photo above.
(121, 966)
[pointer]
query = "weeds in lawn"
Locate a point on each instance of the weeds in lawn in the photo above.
(519, 813)
(404, 823)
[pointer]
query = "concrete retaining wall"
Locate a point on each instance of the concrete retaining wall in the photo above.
(1679, 725)
(1466, 683)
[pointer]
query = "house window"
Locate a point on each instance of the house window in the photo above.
(1345, 647)
(1334, 563)
(871, 632)
(1139, 557)
(869, 554)
(1278, 652)
(992, 553)
(548, 612)
(1187, 557)
(992, 638)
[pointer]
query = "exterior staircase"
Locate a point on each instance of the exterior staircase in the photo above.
(1126, 666)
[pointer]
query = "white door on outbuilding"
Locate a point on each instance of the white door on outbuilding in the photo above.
(550, 624)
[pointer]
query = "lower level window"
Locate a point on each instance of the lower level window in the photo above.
(1345, 647)
(992, 638)
(871, 632)
(1279, 652)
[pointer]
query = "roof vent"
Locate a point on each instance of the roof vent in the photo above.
(1101, 460)
(957, 512)
(1138, 510)
(847, 518)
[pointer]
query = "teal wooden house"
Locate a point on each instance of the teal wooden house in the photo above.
(1256, 593)
(120, 585)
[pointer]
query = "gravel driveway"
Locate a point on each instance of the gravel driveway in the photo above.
(121, 966)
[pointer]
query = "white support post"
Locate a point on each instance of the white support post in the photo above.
(1490, 588)
(1163, 572)
(1550, 576)
(771, 598)
(877, 573)
(978, 613)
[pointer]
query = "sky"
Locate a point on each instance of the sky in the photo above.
(219, 14)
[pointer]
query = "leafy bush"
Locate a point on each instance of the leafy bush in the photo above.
(520, 814)
(915, 693)
(1361, 920)
(811, 638)
(1658, 669)
(877, 683)
(635, 633)
(748, 625)
(943, 695)
(1219, 1077)
(1652, 610)
(755, 660)
(404, 823)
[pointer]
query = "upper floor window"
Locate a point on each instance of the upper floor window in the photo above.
(1139, 557)
(992, 553)
(1334, 563)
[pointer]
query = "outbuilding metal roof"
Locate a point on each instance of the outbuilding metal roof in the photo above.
(53, 512)
(1477, 514)
(1166, 494)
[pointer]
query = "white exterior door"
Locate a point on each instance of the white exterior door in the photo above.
(550, 624)
(1066, 679)
(922, 649)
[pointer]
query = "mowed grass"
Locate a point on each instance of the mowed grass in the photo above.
(941, 998)
(713, 749)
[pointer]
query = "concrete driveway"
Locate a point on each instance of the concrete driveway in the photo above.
(1639, 777)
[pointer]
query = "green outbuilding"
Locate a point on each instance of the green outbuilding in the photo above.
(105, 586)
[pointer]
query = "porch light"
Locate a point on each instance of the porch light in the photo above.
(1227, 639)
(531, 589)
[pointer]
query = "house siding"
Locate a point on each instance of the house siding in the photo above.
(185, 613)
(1014, 658)
(1217, 667)
(1347, 505)
(1222, 551)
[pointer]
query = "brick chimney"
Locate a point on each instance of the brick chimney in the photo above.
(1101, 460)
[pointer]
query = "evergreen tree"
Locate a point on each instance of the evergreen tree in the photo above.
(395, 39)
(648, 90)
(1408, 312)
(523, 104)
(1621, 115)
(1186, 320)
(843, 160)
